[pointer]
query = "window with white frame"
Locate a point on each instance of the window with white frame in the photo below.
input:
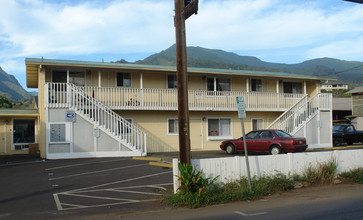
(173, 126)
(123, 79)
(293, 87)
(218, 84)
(219, 127)
(256, 85)
(77, 78)
(257, 124)
(172, 82)
(23, 133)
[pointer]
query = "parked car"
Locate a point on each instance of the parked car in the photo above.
(346, 134)
(268, 141)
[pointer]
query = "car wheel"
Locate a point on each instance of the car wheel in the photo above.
(349, 142)
(230, 149)
(275, 149)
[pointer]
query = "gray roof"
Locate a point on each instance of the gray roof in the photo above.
(168, 68)
(356, 90)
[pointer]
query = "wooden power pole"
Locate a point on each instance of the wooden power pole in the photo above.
(183, 10)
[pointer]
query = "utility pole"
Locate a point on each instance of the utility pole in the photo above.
(183, 10)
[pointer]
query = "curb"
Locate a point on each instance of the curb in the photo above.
(147, 158)
(159, 164)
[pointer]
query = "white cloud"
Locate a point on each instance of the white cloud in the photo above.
(69, 28)
(122, 26)
(345, 49)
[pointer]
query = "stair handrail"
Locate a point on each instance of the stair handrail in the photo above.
(296, 105)
(106, 118)
(308, 113)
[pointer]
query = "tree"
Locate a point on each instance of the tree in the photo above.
(5, 103)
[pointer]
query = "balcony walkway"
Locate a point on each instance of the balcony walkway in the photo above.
(167, 99)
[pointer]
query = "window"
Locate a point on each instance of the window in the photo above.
(24, 133)
(172, 82)
(252, 135)
(77, 78)
(256, 85)
(123, 79)
(220, 84)
(257, 124)
(291, 87)
(57, 133)
(173, 126)
(266, 135)
(282, 134)
(59, 76)
(219, 127)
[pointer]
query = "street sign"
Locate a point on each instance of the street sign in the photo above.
(70, 116)
(241, 108)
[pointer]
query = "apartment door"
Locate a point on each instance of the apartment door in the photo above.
(2, 137)
(196, 134)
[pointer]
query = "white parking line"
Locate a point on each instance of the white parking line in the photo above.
(81, 194)
(99, 171)
(121, 181)
(100, 197)
(83, 164)
(252, 214)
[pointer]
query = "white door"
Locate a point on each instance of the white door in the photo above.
(196, 134)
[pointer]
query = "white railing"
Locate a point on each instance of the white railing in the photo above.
(167, 99)
(301, 112)
(73, 97)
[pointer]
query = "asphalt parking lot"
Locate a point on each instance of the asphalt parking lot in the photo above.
(32, 188)
(38, 189)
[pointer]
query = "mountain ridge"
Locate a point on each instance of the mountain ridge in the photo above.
(11, 88)
(349, 71)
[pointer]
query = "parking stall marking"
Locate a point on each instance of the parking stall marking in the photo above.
(83, 164)
(98, 171)
(76, 195)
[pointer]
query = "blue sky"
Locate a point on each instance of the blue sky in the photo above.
(283, 31)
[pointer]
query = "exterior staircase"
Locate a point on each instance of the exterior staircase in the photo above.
(101, 116)
(301, 113)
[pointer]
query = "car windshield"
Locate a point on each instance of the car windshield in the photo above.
(338, 128)
(282, 134)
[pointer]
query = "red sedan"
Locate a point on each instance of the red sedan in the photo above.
(269, 141)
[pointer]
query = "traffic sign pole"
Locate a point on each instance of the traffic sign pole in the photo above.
(242, 114)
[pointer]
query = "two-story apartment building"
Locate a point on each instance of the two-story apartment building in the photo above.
(99, 109)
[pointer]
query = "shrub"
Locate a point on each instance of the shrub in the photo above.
(356, 175)
(322, 174)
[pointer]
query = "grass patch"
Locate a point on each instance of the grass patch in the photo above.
(198, 192)
(233, 191)
(322, 174)
(356, 175)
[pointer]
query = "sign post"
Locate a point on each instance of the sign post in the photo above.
(241, 115)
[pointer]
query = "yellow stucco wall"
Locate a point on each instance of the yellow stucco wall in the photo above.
(155, 123)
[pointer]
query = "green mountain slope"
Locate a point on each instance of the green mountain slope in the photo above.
(11, 88)
(202, 57)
